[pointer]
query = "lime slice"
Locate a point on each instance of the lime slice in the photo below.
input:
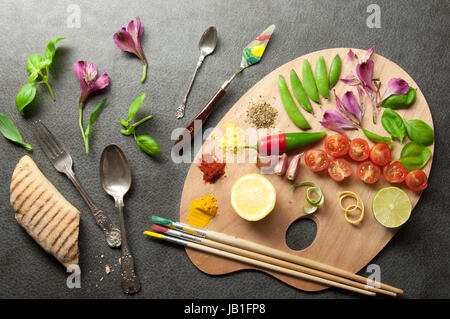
(391, 207)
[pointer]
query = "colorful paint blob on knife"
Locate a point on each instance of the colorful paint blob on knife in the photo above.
(253, 52)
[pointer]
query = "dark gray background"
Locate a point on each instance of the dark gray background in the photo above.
(414, 34)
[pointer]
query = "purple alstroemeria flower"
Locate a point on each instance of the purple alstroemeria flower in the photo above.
(87, 74)
(362, 76)
(129, 39)
(395, 86)
(335, 121)
(351, 105)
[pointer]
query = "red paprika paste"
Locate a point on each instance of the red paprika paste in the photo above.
(212, 170)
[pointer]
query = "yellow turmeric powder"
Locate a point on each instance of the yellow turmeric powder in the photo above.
(202, 210)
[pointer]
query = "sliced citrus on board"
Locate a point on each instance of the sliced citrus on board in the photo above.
(253, 197)
(391, 207)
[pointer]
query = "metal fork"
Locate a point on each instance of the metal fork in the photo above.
(62, 161)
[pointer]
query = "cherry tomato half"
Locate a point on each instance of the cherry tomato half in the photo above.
(395, 172)
(316, 160)
(337, 145)
(380, 154)
(339, 168)
(359, 150)
(368, 172)
(416, 180)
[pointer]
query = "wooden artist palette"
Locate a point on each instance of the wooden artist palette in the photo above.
(337, 242)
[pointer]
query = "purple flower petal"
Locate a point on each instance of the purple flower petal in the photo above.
(395, 86)
(351, 80)
(335, 121)
(351, 105)
(351, 61)
(364, 71)
(125, 42)
(100, 83)
(79, 68)
(362, 99)
(367, 55)
(140, 29)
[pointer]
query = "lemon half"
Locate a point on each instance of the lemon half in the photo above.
(253, 197)
(391, 207)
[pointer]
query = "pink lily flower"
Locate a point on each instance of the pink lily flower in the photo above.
(129, 39)
(87, 74)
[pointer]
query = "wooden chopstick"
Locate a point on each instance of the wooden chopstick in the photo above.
(257, 263)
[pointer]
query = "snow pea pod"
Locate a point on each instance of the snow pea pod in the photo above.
(299, 92)
(400, 100)
(377, 138)
(321, 77)
(289, 105)
(309, 82)
(335, 71)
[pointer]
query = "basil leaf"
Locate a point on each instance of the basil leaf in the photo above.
(33, 63)
(124, 123)
(377, 138)
(420, 132)
(94, 115)
(25, 96)
(148, 145)
(33, 76)
(393, 124)
(414, 156)
(50, 51)
(134, 107)
(10, 131)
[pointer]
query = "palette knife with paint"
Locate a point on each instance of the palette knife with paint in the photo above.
(251, 55)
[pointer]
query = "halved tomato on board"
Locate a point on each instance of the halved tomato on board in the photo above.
(359, 150)
(337, 145)
(316, 160)
(380, 154)
(339, 168)
(395, 172)
(416, 180)
(368, 172)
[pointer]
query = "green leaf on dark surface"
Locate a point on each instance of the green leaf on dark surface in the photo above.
(134, 107)
(33, 63)
(94, 115)
(414, 156)
(148, 145)
(50, 51)
(25, 96)
(420, 132)
(10, 131)
(393, 124)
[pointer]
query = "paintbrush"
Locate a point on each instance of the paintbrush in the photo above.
(253, 262)
(264, 258)
(272, 252)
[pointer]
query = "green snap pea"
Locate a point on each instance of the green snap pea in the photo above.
(299, 92)
(377, 138)
(335, 71)
(289, 105)
(321, 77)
(309, 82)
(400, 100)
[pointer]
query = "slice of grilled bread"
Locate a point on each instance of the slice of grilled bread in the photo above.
(44, 213)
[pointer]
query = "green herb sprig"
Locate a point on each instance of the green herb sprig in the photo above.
(92, 118)
(38, 67)
(145, 142)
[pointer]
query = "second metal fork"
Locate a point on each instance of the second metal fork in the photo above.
(62, 161)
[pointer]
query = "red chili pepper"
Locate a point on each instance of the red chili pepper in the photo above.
(281, 143)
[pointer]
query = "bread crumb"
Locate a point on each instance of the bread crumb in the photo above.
(107, 269)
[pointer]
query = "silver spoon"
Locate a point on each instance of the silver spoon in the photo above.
(115, 175)
(207, 44)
